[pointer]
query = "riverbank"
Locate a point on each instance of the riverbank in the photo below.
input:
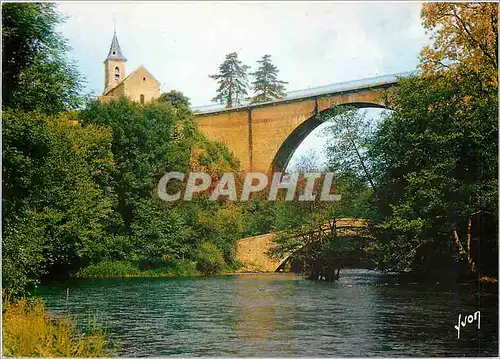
(187, 268)
(148, 269)
(29, 331)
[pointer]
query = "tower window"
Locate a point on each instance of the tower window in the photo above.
(143, 79)
(114, 53)
(117, 74)
(142, 99)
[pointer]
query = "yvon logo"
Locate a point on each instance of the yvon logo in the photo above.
(468, 320)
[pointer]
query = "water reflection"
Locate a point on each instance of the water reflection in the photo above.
(262, 324)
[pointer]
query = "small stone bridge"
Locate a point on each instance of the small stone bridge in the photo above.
(252, 251)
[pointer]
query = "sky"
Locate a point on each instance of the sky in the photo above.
(311, 43)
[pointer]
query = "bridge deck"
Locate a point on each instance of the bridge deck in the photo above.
(341, 87)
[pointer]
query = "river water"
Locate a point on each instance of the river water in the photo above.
(365, 313)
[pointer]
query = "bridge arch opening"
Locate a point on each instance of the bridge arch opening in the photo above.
(307, 136)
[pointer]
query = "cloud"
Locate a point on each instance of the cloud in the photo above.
(312, 44)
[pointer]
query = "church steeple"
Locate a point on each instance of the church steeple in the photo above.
(115, 52)
(114, 65)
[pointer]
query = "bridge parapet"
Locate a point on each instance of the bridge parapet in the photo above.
(313, 92)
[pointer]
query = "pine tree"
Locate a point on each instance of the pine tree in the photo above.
(266, 86)
(232, 80)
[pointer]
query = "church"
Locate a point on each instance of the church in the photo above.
(139, 86)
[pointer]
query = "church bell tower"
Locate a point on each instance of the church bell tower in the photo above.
(114, 65)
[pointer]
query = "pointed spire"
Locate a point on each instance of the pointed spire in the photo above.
(115, 53)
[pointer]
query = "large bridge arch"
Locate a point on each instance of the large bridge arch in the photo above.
(264, 136)
(285, 152)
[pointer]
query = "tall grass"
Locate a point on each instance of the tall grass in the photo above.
(29, 331)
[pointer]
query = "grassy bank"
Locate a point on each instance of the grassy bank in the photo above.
(139, 269)
(29, 331)
(157, 268)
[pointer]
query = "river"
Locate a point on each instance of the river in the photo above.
(365, 313)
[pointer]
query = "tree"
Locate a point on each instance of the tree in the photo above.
(465, 35)
(266, 86)
(349, 134)
(158, 230)
(36, 74)
(175, 98)
(307, 162)
(147, 142)
(436, 161)
(57, 202)
(232, 80)
(437, 153)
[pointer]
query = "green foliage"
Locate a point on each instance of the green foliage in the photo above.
(437, 157)
(232, 80)
(56, 203)
(109, 269)
(357, 197)
(266, 86)
(114, 246)
(259, 216)
(209, 259)
(78, 195)
(144, 268)
(35, 72)
(447, 149)
(159, 229)
(167, 266)
(214, 157)
(23, 247)
(175, 98)
(349, 133)
(437, 153)
(147, 142)
(183, 267)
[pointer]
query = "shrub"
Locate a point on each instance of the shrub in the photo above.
(159, 266)
(209, 259)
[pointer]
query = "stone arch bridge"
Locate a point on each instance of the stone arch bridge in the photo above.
(252, 251)
(264, 136)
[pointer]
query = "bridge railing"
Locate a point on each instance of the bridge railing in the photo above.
(343, 226)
